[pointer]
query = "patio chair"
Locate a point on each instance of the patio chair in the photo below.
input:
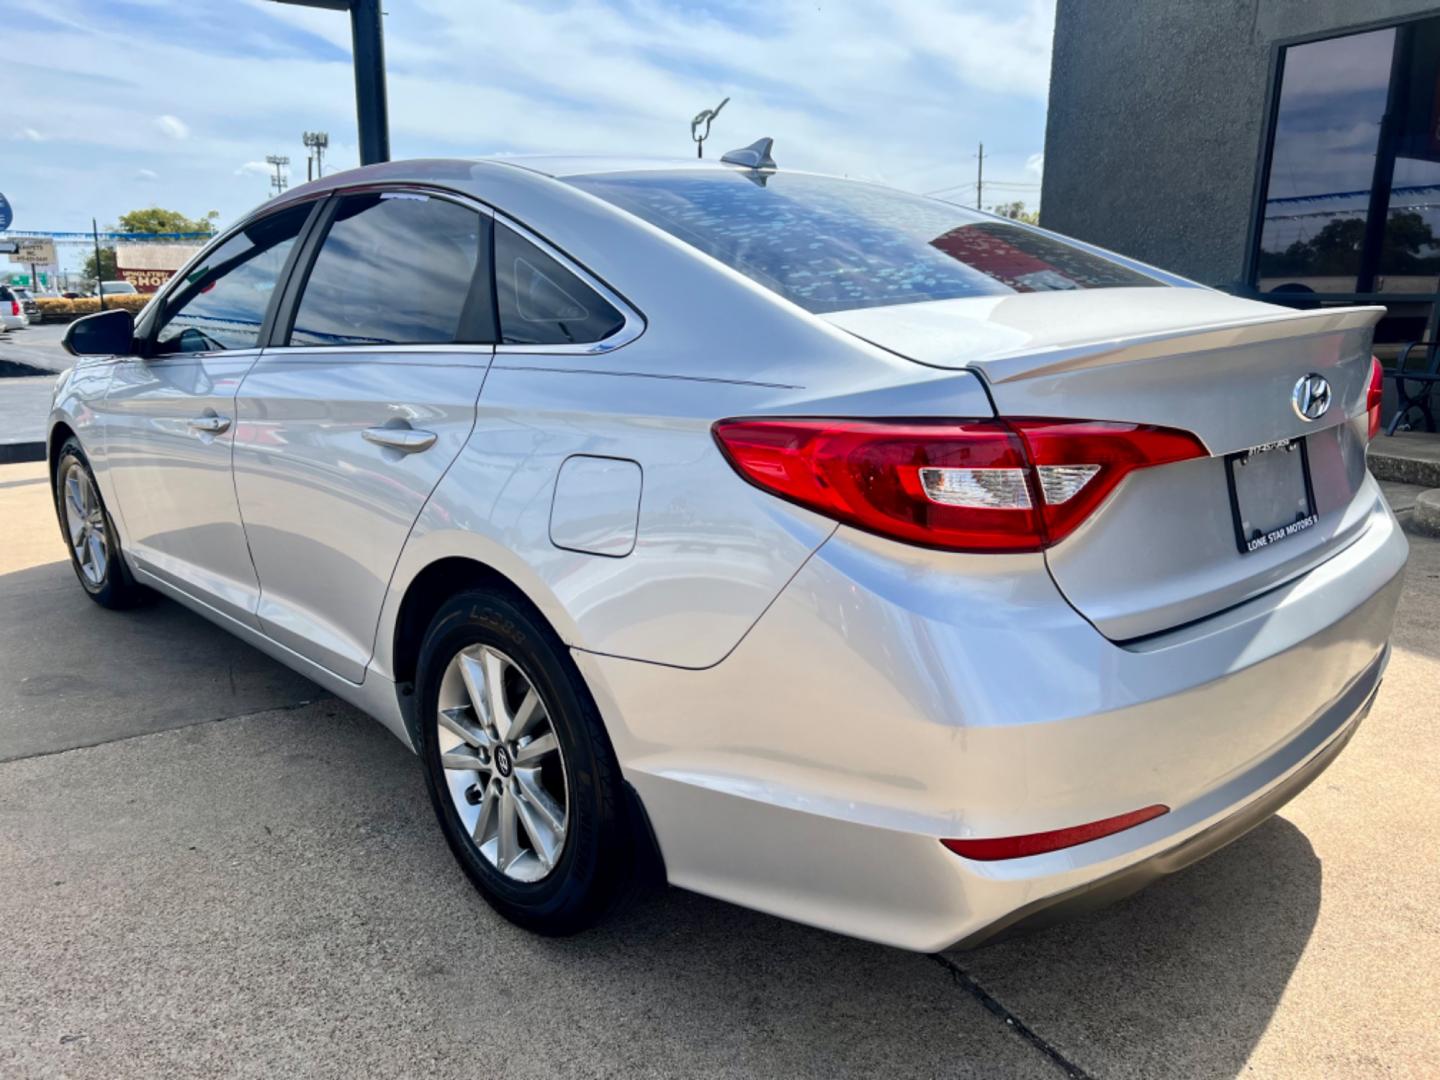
(1413, 388)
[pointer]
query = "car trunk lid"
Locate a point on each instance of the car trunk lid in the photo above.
(1162, 550)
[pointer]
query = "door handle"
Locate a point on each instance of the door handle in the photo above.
(212, 425)
(406, 440)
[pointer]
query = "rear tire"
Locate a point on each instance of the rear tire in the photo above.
(90, 535)
(517, 710)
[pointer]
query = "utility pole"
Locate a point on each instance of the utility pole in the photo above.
(316, 141)
(980, 179)
(99, 273)
(278, 181)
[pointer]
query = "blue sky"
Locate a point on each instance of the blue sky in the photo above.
(109, 105)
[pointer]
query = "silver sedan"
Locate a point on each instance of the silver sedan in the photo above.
(838, 552)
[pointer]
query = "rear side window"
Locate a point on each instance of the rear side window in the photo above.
(836, 245)
(223, 300)
(398, 269)
(540, 302)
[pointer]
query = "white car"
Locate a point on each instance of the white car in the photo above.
(12, 310)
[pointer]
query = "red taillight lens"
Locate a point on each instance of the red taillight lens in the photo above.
(1017, 847)
(1375, 393)
(14, 307)
(981, 485)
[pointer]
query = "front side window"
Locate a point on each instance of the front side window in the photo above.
(398, 269)
(834, 245)
(541, 302)
(222, 302)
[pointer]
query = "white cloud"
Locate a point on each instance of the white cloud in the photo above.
(1035, 163)
(29, 134)
(172, 127)
(146, 175)
(892, 90)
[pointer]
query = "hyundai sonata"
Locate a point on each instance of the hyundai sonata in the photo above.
(842, 553)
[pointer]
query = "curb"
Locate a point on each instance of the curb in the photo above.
(1425, 517)
(1402, 468)
(13, 453)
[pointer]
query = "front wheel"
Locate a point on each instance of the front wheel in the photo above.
(521, 774)
(90, 534)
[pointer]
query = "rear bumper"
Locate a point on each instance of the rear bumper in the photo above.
(891, 697)
(1345, 715)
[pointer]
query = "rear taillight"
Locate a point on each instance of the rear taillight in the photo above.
(14, 307)
(976, 485)
(1374, 394)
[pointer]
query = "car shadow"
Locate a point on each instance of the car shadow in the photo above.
(1180, 980)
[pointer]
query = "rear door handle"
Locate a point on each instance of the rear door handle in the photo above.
(406, 440)
(214, 425)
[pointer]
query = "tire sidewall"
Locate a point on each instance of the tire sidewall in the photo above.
(577, 890)
(107, 592)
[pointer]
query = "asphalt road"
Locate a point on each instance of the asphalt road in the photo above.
(207, 867)
(24, 401)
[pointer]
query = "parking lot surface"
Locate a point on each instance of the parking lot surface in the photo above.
(209, 867)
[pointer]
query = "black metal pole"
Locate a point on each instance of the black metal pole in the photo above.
(371, 111)
(99, 273)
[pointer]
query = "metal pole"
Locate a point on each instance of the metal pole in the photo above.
(980, 179)
(99, 273)
(371, 111)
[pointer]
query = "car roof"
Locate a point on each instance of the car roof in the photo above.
(559, 166)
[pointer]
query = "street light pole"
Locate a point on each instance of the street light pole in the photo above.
(368, 37)
(371, 108)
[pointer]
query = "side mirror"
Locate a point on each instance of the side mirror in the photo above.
(106, 333)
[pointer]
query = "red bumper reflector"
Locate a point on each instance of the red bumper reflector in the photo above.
(1017, 847)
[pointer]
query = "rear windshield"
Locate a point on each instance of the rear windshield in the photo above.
(836, 245)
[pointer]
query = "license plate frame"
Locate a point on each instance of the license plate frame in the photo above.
(1254, 530)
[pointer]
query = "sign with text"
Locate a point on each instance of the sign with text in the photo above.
(37, 250)
(6, 214)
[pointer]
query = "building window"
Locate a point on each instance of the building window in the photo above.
(1322, 164)
(1352, 184)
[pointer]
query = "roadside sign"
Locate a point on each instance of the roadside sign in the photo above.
(20, 280)
(34, 250)
(6, 214)
(8, 247)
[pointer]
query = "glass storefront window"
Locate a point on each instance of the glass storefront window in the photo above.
(1409, 258)
(1327, 134)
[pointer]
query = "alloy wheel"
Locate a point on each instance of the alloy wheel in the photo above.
(85, 523)
(503, 764)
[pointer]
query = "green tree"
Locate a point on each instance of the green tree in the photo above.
(155, 219)
(107, 265)
(1016, 212)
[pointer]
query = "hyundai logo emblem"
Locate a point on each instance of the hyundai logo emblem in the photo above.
(1311, 397)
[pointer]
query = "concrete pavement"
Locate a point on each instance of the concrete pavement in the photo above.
(234, 881)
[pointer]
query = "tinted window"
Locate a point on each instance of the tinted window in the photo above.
(397, 269)
(223, 300)
(833, 245)
(1327, 130)
(541, 302)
